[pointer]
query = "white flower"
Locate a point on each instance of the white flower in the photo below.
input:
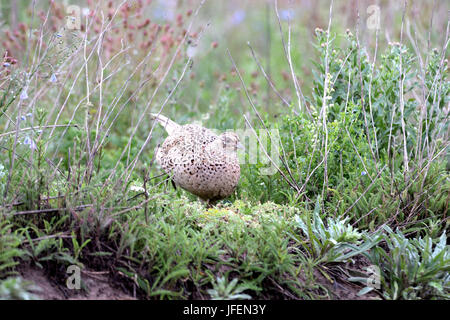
(137, 189)
(191, 51)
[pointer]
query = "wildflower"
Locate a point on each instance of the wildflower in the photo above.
(238, 17)
(6, 64)
(29, 114)
(2, 173)
(53, 78)
(191, 51)
(286, 14)
(28, 141)
(24, 94)
(363, 173)
(137, 189)
(58, 35)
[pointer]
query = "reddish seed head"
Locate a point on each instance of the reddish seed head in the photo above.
(167, 41)
(58, 13)
(214, 44)
(22, 27)
(189, 12)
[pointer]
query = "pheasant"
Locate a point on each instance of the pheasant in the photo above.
(198, 160)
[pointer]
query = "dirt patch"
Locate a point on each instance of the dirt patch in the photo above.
(95, 286)
(342, 289)
(101, 285)
(345, 290)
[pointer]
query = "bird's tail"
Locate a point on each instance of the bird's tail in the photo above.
(168, 124)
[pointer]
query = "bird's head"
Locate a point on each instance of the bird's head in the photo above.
(230, 141)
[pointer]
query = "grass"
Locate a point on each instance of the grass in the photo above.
(357, 142)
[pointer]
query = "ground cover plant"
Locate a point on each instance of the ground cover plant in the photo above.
(343, 111)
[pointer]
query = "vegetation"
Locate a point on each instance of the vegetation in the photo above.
(346, 165)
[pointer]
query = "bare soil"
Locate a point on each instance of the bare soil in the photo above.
(101, 285)
(96, 286)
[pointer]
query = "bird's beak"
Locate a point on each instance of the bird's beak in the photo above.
(240, 146)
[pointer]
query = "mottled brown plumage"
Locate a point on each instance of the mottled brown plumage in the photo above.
(198, 160)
